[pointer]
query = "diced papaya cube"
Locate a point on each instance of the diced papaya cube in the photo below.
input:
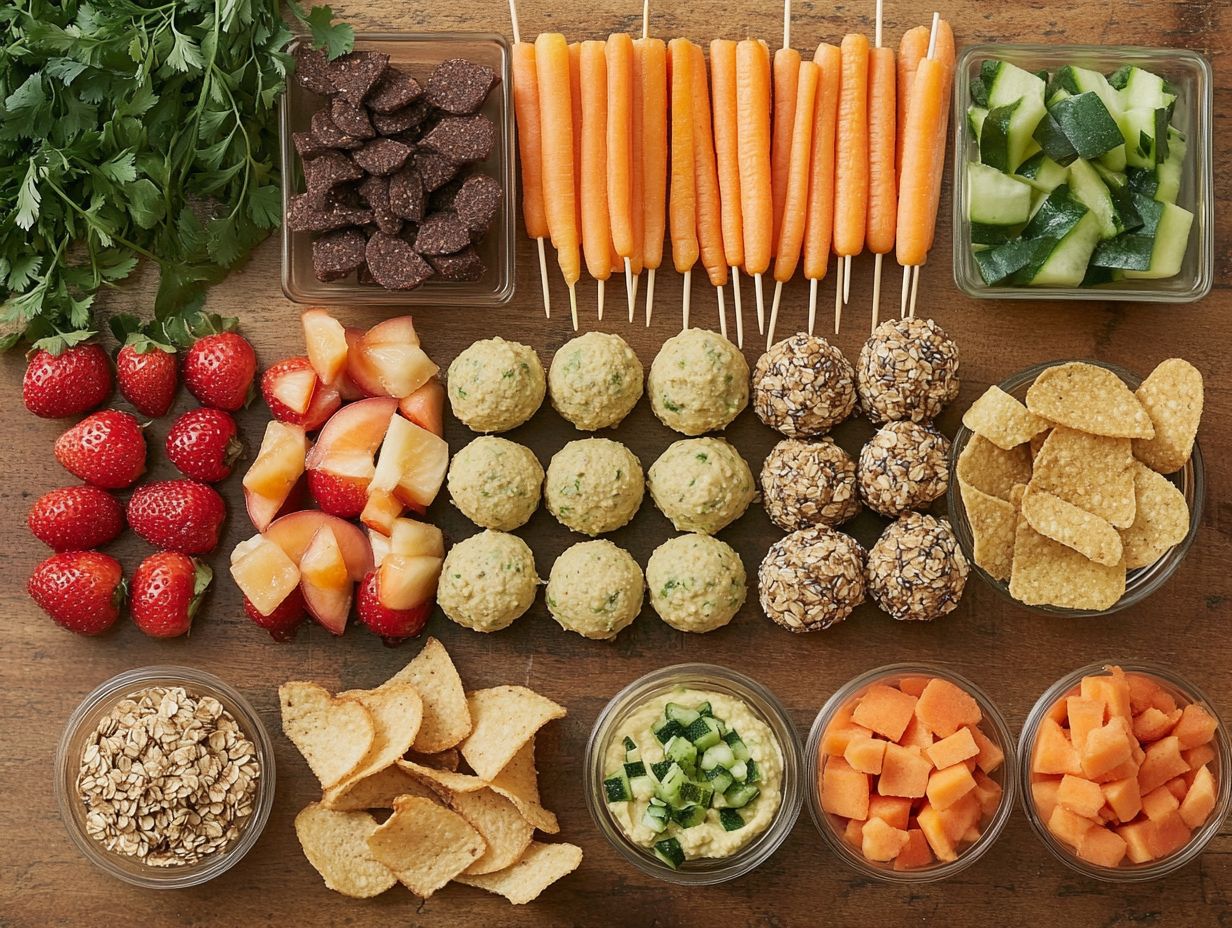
(882, 841)
(1178, 787)
(1164, 701)
(1199, 802)
(886, 710)
(1111, 689)
(1163, 761)
(961, 817)
(1080, 796)
(1198, 757)
(1057, 712)
(991, 756)
(987, 792)
(844, 791)
(915, 853)
(971, 835)
(946, 787)
(1106, 816)
(938, 839)
(971, 763)
(1084, 715)
(1119, 772)
(1142, 692)
(1124, 798)
(944, 708)
(1137, 841)
(1054, 753)
(904, 772)
(916, 735)
(913, 686)
(1151, 724)
(1044, 791)
(1107, 747)
(1196, 727)
(953, 750)
(865, 754)
(894, 810)
(1168, 835)
(837, 736)
(1159, 803)
(1102, 847)
(1069, 827)
(853, 833)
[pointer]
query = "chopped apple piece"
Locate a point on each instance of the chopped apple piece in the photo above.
(406, 582)
(411, 537)
(294, 389)
(379, 544)
(382, 509)
(426, 407)
(327, 344)
(247, 546)
(398, 330)
(326, 581)
(295, 533)
(265, 574)
(400, 369)
(346, 445)
(279, 463)
(412, 463)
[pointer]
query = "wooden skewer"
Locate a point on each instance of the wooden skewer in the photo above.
(739, 309)
(688, 292)
(650, 275)
(812, 312)
(902, 306)
(774, 313)
(722, 312)
(573, 305)
(630, 286)
(543, 260)
(838, 294)
(600, 298)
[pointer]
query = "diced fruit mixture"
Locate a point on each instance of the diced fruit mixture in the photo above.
(1123, 772)
(907, 773)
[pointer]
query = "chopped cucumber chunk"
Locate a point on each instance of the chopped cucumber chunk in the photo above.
(659, 770)
(682, 714)
(718, 755)
(616, 789)
(730, 819)
(995, 198)
(720, 778)
(656, 818)
(740, 796)
(690, 816)
(753, 774)
(669, 851)
(630, 745)
(668, 730)
(635, 769)
(681, 750)
(703, 733)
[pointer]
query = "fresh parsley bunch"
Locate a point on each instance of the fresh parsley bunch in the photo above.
(135, 129)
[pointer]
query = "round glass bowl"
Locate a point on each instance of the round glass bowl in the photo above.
(763, 704)
(83, 723)
(1140, 582)
(995, 729)
(1184, 692)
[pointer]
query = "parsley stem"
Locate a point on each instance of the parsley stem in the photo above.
(94, 223)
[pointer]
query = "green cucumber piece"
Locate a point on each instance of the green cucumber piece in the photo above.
(670, 785)
(1083, 80)
(1131, 251)
(1146, 136)
(682, 751)
(719, 778)
(681, 714)
(997, 264)
(705, 710)
(635, 769)
(995, 137)
(740, 796)
(1114, 179)
(1171, 243)
(996, 199)
(690, 816)
(1042, 173)
(975, 119)
(1138, 87)
(984, 236)
(1059, 213)
(616, 788)
(1084, 121)
(730, 820)
(1053, 141)
(1169, 173)
(669, 851)
(629, 745)
(667, 730)
(1009, 85)
(718, 755)
(736, 743)
(656, 818)
(659, 770)
(703, 733)
(1090, 189)
(1065, 265)
(752, 774)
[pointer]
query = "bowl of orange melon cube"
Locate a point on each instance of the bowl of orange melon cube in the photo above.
(1129, 771)
(911, 783)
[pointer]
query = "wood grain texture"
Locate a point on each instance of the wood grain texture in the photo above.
(1014, 655)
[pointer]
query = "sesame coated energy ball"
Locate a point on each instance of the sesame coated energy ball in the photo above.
(904, 466)
(595, 380)
(803, 386)
(808, 483)
(596, 589)
(697, 583)
(812, 579)
(701, 484)
(698, 383)
(495, 385)
(487, 581)
(908, 369)
(594, 485)
(916, 570)
(495, 482)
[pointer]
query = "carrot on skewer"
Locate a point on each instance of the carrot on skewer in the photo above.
(791, 237)
(912, 48)
(620, 151)
(596, 223)
(652, 83)
(575, 102)
(819, 223)
(682, 205)
(851, 165)
(636, 181)
(530, 144)
(786, 77)
(709, 217)
(727, 159)
(753, 136)
(943, 51)
(882, 186)
(556, 125)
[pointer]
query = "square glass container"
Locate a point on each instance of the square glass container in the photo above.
(417, 54)
(1190, 72)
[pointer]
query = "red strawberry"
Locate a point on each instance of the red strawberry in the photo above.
(165, 593)
(284, 620)
(344, 497)
(76, 518)
(106, 449)
(202, 444)
(67, 384)
(218, 370)
(177, 515)
(393, 625)
(80, 590)
(147, 378)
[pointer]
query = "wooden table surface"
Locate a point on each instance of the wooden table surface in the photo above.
(1010, 652)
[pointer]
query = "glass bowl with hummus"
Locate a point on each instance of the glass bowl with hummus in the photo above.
(694, 774)
(911, 773)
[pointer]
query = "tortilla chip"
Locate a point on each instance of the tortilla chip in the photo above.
(540, 867)
(1003, 420)
(518, 782)
(377, 791)
(1037, 442)
(993, 470)
(1162, 519)
(425, 845)
(334, 735)
(396, 711)
(1047, 573)
(443, 782)
(1075, 528)
(1089, 398)
(1016, 495)
(448, 759)
(992, 523)
(504, 829)
(1093, 472)
(336, 844)
(505, 718)
(446, 718)
(1172, 397)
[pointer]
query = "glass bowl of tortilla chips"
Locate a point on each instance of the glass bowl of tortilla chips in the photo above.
(1077, 486)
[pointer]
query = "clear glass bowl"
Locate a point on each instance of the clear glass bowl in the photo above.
(763, 704)
(1184, 692)
(1190, 72)
(1139, 583)
(82, 723)
(416, 53)
(993, 725)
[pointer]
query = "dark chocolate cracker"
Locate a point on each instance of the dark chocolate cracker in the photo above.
(307, 146)
(403, 120)
(394, 264)
(324, 173)
(441, 234)
(433, 169)
(459, 86)
(312, 70)
(464, 265)
(395, 90)
(302, 216)
(355, 74)
(351, 119)
(406, 194)
(383, 156)
(336, 254)
(461, 139)
(375, 191)
(442, 198)
(328, 134)
(477, 201)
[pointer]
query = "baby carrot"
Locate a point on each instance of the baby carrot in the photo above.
(682, 206)
(819, 225)
(943, 52)
(596, 225)
(795, 210)
(619, 141)
(882, 195)
(753, 120)
(575, 101)
(530, 142)
(709, 212)
(556, 125)
(726, 146)
(786, 80)
(652, 81)
(911, 49)
(637, 183)
(915, 185)
(851, 166)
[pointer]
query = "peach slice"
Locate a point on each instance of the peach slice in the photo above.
(279, 463)
(326, 341)
(326, 581)
(412, 463)
(294, 534)
(426, 407)
(411, 538)
(346, 445)
(381, 511)
(358, 372)
(406, 582)
(265, 574)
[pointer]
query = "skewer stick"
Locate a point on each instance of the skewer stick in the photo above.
(876, 290)
(838, 296)
(722, 312)
(650, 275)
(774, 313)
(600, 283)
(573, 305)
(630, 286)
(812, 312)
(761, 304)
(847, 279)
(543, 260)
(688, 293)
(739, 309)
(915, 289)
(645, 19)
(902, 306)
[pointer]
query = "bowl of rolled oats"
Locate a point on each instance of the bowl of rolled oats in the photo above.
(164, 777)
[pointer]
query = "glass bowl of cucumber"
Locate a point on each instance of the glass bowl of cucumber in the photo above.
(1083, 172)
(694, 774)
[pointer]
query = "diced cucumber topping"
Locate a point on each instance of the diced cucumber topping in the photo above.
(730, 819)
(996, 199)
(752, 774)
(669, 851)
(720, 778)
(659, 770)
(703, 733)
(635, 769)
(668, 730)
(616, 789)
(630, 745)
(670, 785)
(718, 755)
(681, 750)
(740, 770)
(705, 710)
(690, 816)
(689, 792)
(642, 787)
(682, 714)
(738, 747)
(740, 796)
(656, 818)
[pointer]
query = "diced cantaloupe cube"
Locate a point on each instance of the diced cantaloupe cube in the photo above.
(1163, 761)
(913, 686)
(844, 791)
(1057, 712)
(916, 735)
(1069, 827)
(1080, 796)
(1044, 792)
(853, 833)
(1054, 752)
(987, 792)
(839, 734)
(1107, 747)
(1151, 724)
(1102, 847)
(1178, 787)
(961, 817)
(885, 709)
(865, 754)
(904, 772)
(946, 787)
(1163, 701)
(1142, 692)
(1119, 772)
(1084, 715)
(915, 853)
(1196, 727)
(1124, 798)
(953, 750)
(944, 708)
(1167, 835)
(1200, 756)
(882, 841)
(1112, 690)
(894, 810)
(931, 824)
(1137, 837)
(1159, 803)
(991, 756)
(1199, 802)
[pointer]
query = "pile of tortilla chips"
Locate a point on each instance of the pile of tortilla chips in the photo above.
(402, 747)
(1066, 494)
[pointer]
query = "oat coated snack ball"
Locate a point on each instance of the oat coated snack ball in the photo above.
(699, 382)
(487, 581)
(811, 579)
(495, 385)
(495, 483)
(803, 386)
(595, 380)
(916, 570)
(701, 484)
(908, 369)
(808, 483)
(697, 583)
(596, 589)
(904, 466)
(594, 485)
